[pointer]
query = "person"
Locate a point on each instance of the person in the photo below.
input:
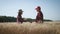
(39, 17)
(19, 17)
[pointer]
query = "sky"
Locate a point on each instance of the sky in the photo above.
(49, 8)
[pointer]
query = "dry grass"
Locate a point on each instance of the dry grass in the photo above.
(30, 28)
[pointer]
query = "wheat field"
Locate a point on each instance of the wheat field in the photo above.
(30, 28)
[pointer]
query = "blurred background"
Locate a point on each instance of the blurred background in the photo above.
(9, 9)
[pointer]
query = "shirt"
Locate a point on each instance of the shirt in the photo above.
(39, 16)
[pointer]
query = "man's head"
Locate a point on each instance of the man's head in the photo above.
(20, 11)
(38, 8)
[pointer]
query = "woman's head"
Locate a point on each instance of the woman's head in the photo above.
(38, 8)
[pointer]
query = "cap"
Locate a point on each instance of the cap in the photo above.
(20, 10)
(38, 7)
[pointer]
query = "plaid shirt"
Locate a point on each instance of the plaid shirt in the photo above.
(39, 16)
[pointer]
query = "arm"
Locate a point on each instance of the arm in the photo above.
(17, 19)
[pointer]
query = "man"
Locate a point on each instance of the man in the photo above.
(39, 17)
(19, 17)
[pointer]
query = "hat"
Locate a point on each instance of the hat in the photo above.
(38, 7)
(20, 10)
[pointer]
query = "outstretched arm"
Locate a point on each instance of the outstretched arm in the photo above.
(17, 19)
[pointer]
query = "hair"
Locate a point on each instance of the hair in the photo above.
(20, 12)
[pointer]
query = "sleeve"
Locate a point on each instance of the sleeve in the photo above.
(36, 19)
(17, 19)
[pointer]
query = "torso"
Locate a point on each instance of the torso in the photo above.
(39, 16)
